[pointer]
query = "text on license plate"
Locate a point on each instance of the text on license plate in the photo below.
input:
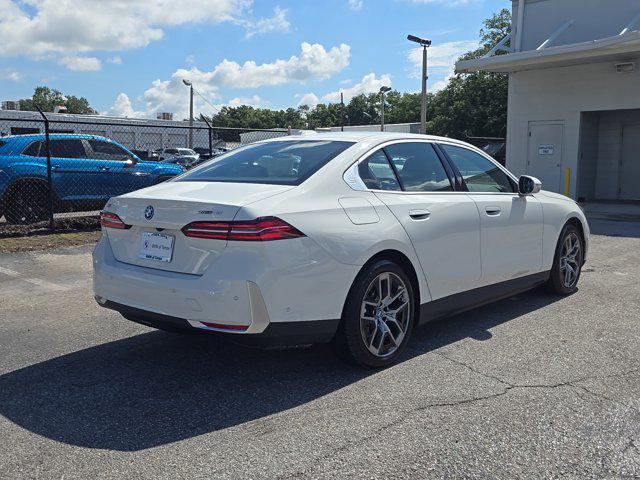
(156, 246)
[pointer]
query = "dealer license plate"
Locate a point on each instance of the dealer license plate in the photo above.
(156, 246)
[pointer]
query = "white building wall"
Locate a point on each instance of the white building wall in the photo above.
(561, 94)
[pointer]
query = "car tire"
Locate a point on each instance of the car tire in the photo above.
(376, 327)
(25, 204)
(567, 262)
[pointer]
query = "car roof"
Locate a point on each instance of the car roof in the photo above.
(366, 136)
(53, 136)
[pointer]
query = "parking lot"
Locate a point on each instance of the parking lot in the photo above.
(533, 386)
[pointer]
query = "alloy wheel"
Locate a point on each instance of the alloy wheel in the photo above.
(385, 314)
(570, 260)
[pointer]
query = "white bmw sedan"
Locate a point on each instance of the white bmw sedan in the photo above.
(349, 238)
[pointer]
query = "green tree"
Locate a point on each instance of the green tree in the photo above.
(474, 104)
(493, 30)
(47, 99)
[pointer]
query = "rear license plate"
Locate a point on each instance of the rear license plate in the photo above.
(156, 246)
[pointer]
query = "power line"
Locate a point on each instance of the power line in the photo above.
(215, 109)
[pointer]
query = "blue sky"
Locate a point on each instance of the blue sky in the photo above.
(128, 58)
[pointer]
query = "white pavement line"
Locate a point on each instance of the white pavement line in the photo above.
(34, 281)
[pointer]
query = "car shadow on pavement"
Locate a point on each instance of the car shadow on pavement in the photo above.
(156, 388)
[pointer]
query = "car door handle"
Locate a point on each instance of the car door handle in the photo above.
(104, 169)
(55, 167)
(493, 211)
(419, 214)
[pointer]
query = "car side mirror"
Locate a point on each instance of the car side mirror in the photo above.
(130, 162)
(528, 185)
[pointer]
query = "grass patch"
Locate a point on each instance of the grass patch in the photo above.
(48, 241)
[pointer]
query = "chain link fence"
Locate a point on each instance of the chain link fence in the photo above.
(57, 174)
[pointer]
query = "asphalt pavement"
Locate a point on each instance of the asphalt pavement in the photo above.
(536, 386)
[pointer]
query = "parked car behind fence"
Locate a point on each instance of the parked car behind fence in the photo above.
(90, 162)
(86, 170)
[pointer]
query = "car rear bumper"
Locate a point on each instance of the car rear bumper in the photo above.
(274, 335)
(299, 300)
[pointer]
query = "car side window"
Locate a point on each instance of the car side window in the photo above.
(101, 150)
(67, 148)
(419, 167)
(377, 174)
(479, 173)
(33, 150)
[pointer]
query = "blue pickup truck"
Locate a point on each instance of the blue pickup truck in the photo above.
(86, 170)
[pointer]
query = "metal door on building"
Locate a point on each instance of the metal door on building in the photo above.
(544, 156)
(629, 186)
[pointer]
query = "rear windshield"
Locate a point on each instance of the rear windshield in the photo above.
(279, 163)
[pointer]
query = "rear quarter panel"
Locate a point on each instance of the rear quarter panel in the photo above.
(315, 209)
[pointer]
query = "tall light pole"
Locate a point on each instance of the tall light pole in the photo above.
(342, 112)
(190, 85)
(423, 111)
(383, 90)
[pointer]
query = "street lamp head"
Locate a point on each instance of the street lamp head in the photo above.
(186, 82)
(422, 41)
(385, 89)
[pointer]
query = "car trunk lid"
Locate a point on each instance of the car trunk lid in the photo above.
(156, 215)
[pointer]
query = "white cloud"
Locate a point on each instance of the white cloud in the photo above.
(309, 99)
(443, 55)
(80, 63)
(122, 107)
(254, 101)
(173, 96)
(116, 60)
(190, 59)
(312, 63)
(368, 84)
(161, 98)
(11, 75)
(66, 27)
(440, 61)
(276, 24)
(355, 4)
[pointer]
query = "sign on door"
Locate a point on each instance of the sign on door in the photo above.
(546, 149)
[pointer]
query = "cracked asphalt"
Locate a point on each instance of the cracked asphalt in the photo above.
(535, 386)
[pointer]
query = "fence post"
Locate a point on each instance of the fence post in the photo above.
(47, 145)
(210, 135)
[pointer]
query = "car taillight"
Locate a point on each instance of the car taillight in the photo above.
(260, 230)
(111, 220)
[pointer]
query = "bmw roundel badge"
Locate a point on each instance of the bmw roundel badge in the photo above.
(148, 212)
